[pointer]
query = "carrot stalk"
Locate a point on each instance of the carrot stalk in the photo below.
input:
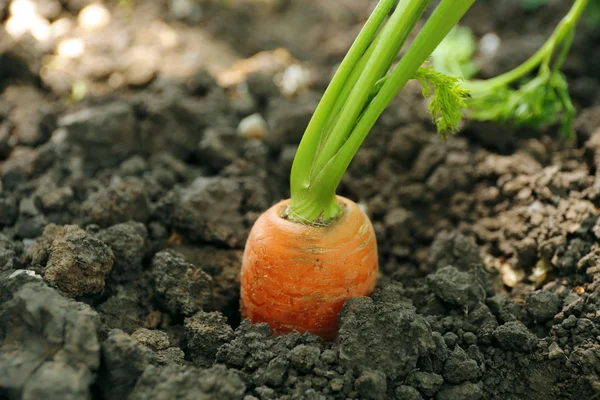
(378, 61)
(359, 92)
(310, 140)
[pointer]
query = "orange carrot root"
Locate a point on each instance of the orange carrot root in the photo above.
(297, 277)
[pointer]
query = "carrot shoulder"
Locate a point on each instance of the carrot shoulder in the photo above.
(297, 277)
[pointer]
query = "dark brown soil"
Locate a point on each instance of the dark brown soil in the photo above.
(123, 215)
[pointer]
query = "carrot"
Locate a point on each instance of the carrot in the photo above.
(297, 276)
(307, 255)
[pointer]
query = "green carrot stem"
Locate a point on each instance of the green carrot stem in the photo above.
(324, 156)
(308, 145)
(392, 37)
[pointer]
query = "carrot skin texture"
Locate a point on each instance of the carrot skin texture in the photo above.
(297, 277)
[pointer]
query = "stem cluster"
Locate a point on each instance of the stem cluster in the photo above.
(361, 89)
(540, 100)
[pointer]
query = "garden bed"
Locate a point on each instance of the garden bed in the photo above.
(124, 213)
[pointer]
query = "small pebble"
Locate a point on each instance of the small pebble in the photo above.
(294, 80)
(253, 127)
(24, 271)
(489, 44)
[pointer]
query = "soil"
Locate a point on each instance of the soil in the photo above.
(124, 211)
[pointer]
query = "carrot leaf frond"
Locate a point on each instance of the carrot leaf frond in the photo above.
(544, 100)
(448, 98)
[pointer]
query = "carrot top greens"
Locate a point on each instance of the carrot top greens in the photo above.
(539, 101)
(365, 84)
(362, 87)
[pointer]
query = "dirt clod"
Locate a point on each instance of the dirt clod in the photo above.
(171, 355)
(181, 287)
(466, 390)
(371, 385)
(515, 336)
(126, 360)
(362, 348)
(68, 343)
(126, 308)
(129, 243)
(153, 339)
(58, 380)
(205, 333)
(219, 147)
(188, 383)
(124, 201)
(304, 358)
(454, 249)
(460, 367)
(209, 211)
(106, 133)
(407, 393)
(426, 382)
(78, 263)
(542, 305)
(457, 288)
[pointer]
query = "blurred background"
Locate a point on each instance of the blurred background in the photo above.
(76, 48)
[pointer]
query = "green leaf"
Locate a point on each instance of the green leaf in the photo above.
(542, 101)
(454, 54)
(448, 98)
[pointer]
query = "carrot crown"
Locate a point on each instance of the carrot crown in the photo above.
(360, 90)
